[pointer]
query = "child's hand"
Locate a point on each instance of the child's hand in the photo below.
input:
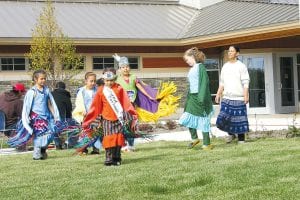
(133, 125)
(116, 57)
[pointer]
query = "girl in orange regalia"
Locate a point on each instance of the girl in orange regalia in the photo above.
(112, 112)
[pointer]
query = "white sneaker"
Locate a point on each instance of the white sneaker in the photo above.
(131, 148)
(241, 142)
(125, 149)
(230, 138)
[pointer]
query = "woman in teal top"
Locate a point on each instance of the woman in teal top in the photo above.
(198, 108)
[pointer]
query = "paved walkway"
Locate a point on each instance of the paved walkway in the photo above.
(256, 123)
(11, 151)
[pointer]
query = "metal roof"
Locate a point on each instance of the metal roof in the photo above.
(143, 21)
(229, 16)
(105, 1)
(89, 20)
(272, 1)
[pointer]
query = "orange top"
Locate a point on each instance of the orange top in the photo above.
(100, 106)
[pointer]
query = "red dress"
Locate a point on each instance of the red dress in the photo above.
(112, 128)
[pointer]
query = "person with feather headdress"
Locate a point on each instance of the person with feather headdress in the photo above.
(112, 116)
(151, 104)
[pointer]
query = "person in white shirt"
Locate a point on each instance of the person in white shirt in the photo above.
(234, 91)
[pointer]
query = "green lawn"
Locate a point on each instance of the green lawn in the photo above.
(262, 169)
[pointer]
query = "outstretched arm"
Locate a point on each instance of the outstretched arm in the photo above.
(140, 87)
(94, 111)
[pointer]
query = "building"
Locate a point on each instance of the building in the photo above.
(155, 33)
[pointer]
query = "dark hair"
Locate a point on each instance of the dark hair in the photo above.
(237, 49)
(37, 73)
(60, 85)
(100, 82)
(88, 74)
(109, 69)
(198, 55)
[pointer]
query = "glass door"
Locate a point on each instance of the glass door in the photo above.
(256, 65)
(287, 87)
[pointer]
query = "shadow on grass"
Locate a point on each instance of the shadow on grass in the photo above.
(161, 189)
(169, 145)
(131, 160)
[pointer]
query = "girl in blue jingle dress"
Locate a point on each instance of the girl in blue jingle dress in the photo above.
(40, 118)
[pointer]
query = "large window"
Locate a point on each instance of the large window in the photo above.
(12, 63)
(256, 70)
(212, 68)
(257, 94)
(105, 62)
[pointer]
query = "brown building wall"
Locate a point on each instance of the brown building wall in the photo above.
(168, 62)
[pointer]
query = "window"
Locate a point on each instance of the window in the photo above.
(256, 70)
(12, 64)
(133, 62)
(257, 93)
(102, 62)
(212, 68)
(106, 62)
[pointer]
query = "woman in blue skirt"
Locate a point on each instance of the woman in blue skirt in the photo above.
(233, 89)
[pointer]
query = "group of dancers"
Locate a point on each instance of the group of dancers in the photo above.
(108, 115)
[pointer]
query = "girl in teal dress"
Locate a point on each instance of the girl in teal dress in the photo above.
(198, 108)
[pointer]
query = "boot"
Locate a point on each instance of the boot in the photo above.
(108, 157)
(117, 155)
(44, 153)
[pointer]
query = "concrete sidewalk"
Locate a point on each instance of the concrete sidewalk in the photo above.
(12, 151)
(256, 123)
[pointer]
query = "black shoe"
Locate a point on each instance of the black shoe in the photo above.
(95, 152)
(44, 156)
(118, 163)
(108, 163)
(85, 151)
(59, 147)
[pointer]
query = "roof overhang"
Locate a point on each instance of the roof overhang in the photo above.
(248, 35)
(206, 41)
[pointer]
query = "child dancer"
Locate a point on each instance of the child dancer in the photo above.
(84, 97)
(130, 83)
(40, 118)
(151, 104)
(198, 108)
(112, 111)
(83, 102)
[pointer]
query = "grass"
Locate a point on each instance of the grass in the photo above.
(262, 169)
